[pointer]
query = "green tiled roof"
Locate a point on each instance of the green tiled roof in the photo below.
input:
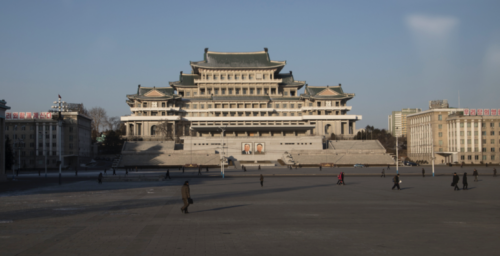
(312, 91)
(188, 79)
(237, 60)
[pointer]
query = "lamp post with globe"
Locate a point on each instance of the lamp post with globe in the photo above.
(59, 108)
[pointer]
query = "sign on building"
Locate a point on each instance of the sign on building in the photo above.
(479, 112)
(472, 112)
(486, 112)
(8, 115)
(466, 112)
(15, 115)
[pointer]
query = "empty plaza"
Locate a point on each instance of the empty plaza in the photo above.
(236, 216)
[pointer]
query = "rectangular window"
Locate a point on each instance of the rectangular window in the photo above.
(461, 125)
(310, 104)
(461, 133)
(299, 105)
(469, 157)
(462, 157)
(492, 141)
(492, 149)
(244, 91)
(195, 106)
(440, 117)
(476, 157)
(468, 124)
(483, 133)
(251, 91)
(462, 150)
(468, 133)
(71, 138)
(484, 157)
(259, 91)
(284, 105)
(475, 133)
(53, 136)
(462, 141)
(440, 126)
(230, 91)
(277, 106)
(292, 105)
(476, 124)
(469, 141)
(440, 143)
(492, 157)
(492, 125)
(484, 149)
(440, 134)
(492, 133)
(223, 91)
(209, 106)
(237, 91)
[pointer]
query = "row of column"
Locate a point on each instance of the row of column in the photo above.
(455, 143)
(43, 128)
(421, 141)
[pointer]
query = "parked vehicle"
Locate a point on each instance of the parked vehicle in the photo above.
(409, 163)
(359, 165)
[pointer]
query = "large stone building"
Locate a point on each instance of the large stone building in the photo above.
(398, 123)
(3, 108)
(454, 137)
(34, 138)
(247, 96)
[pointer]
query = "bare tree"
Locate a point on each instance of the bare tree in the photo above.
(99, 118)
(166, 130)
(113, 123)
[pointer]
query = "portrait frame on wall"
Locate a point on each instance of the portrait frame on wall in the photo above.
(246, 148)
(260, 148)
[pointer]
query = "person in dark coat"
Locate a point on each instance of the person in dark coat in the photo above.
(494, 172)
(320, 167)
(342, 175)
(396, 182)
(185, 196)
(207, 168)
(388, 167)
(261, 180)
(464, 182)
(182, 169)
(423, 172)
(383, 173)
(475, 173)
(168, 174)
(99, 178)
(455, 181)
(114, 171)
(199, 170)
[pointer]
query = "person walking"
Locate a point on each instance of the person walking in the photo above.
(396, 182)
(99, 178)
(136, 170)
(475, 174)
(383, 173)
(423, 172)
(342, 175)
(464, 182)
(388, 167)
(494, 172)
(199, 170)
(168, 174)
(114, 171)
(207, 168)
(320, 167)
(455, 181)
(339, 179)
(182, 169)
(186, 195)
(261, 180)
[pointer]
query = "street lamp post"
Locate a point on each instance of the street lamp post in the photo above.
(59, 108)
(397, 157)
(222, 152)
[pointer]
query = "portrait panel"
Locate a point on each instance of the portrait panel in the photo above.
(246, 148)
(260, 148)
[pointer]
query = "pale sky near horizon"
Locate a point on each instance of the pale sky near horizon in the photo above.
(391, 54)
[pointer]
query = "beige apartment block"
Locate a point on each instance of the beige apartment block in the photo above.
(428, 134)
(453, 137)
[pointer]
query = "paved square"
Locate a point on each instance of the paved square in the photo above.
(236, 216)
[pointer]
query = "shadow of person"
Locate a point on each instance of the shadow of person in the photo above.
(220, 208)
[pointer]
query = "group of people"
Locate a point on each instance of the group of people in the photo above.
(456, 179)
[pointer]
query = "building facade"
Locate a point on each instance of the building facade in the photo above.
(34, 138)
(454, 137)
(245, 93)
(3, 108)
(398, 121)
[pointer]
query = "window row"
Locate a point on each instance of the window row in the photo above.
(476, 157)
(258, 76)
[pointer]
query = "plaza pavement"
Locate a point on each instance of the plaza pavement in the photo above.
(236, 216)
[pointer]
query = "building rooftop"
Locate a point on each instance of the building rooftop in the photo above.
(237, 60)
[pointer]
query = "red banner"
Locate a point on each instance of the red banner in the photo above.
(49, 115)
(466, 111)
(486, 112)
(472, 112)
(42, 115)
(479, 112)
(15, 115)
(36, 115)
(28, 115)
(22, 115)
(8, 115)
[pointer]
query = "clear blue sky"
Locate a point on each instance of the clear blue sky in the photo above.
(392, 54)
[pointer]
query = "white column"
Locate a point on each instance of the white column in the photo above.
(465, 136)
(472, 134)
(480, 139)
(458, 135)
(448, 135)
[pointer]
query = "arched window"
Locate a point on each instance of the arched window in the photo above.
(153, 130)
